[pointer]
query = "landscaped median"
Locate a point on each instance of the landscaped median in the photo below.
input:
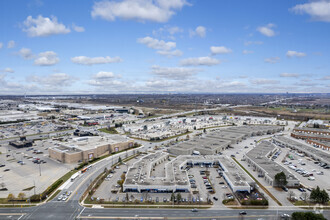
(261, 186)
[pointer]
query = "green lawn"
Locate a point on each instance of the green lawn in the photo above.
(109, 131)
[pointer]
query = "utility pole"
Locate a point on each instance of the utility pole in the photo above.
(39, 168)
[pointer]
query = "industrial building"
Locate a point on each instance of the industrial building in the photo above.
(204, 145)
(154, 173)
(259, 159)
(312, 131)
(325, 145)
(83, 149)
(157, 173)
(235, 177)
(313, 152)
(218, 141)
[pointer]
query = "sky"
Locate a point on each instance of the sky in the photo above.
(164, 46)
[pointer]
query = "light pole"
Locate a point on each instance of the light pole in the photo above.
(40, 168)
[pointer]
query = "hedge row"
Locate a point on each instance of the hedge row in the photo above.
(47, 192)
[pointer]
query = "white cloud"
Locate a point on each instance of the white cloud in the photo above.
(8, 70)
(25, 53)
(167, 32)
(220, 50)
(47, 58)
(156, 44)
(247, 51)
(247, 43)
(176, 73)
(272, 60)
(1, 45)
(318, 10)
(78, 28)
(140, 10)
(198, 61)
(200, 31)
(103, 79)
(95, 60)
(292, 53)
(53, 80)
(43, 26)
(295, 75)
(173, 53)
(104, 75)
(11, 44)
(267, 30)
(264, 81)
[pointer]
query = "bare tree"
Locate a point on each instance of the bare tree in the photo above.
(305, 196)
(291, 194)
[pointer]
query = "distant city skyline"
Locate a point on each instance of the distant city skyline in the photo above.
(164, 46)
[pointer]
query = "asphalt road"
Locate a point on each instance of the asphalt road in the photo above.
(71, 208)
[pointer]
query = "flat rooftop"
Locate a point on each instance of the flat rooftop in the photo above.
(320, 154)
(91, 142)
(312, 129)
(140, 172)
(258, 155)
(235, 174)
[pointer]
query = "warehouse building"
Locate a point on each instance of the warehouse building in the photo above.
(312, 131)
(203, 145)
(235, 177)
(313, 152)
(157, 173)
(266, 168)
(218, 141)
(83, 149)
(324, 145)
(310, 136)
(256, 130)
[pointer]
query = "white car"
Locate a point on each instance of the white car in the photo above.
(311, 178)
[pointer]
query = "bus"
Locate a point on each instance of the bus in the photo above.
(74, 176)
(86, 168)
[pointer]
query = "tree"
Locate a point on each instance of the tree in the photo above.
(280, 179)
(307, 216)
(304, 195)
(179, 197)
(319, 196)
(172, 196)
(21, 196)
(127, 198)
(291, 195)
(10, 197)
(119, 160)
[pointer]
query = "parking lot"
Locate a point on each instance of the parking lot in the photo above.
(29, 128)
(24, 168)
(109, 190)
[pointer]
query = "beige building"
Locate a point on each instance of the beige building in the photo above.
(86, 148)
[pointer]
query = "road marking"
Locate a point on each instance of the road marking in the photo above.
(20, 217)
(152, 217)
(12, 213)
(81, 211)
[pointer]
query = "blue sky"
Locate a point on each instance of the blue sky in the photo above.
(157, 46)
